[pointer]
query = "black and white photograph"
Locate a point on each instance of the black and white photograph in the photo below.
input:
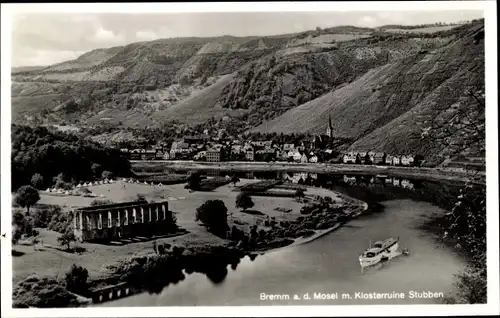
(288, 158)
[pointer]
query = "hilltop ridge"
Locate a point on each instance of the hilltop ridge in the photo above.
(378, 84)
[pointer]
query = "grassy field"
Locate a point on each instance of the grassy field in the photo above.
(50, 260)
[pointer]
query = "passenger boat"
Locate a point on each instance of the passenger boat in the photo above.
(380, 251)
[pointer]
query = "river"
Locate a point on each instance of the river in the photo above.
(329, 264)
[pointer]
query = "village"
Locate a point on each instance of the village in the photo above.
(220, 148)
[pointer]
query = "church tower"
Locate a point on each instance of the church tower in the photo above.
(329, 129)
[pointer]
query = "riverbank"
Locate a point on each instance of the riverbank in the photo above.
(265, 228)
(421, 173)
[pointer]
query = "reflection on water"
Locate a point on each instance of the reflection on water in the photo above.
(330, 264)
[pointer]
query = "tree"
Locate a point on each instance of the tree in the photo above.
(244, 201)
(235, 179)
(66, 238)
(194, 180)
(27, 196)
(368, 160)
(96, 169)
(213, 215)
(462, 127)
(17, 233)
(37, 180)
(107, 175)
(76, 279)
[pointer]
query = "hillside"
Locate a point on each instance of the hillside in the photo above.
(367, 79)
(388, 107)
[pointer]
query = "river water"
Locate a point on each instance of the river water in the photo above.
(329, 264)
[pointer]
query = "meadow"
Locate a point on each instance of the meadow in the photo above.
(47, 257)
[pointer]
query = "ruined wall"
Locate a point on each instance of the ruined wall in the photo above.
(122, 222)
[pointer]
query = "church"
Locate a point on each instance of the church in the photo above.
(323, 141)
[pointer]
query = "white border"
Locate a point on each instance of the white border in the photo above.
(492, 307)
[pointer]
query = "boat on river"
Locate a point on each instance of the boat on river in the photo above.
(380, 251)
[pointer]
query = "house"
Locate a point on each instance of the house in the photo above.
(124, 150)
(362, 156)
(288, 147)
(313, 159)
(291, 153)
(297, 156)
(350, 157)
(159, 154)
(260, 143)
(371, 154)
(149, 154)
(395, 182)
(304, 159)
(388, 159)
(407, 160)
(378, 158)
(166, 155)
(135, 154)
(236, 149)
(396, 160)
(282, 155)
(180, 147)
(249, 153)
(213, 155)
(200, 155)
(172, 154)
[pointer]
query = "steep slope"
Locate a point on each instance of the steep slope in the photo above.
(199, 107)
(387, 108)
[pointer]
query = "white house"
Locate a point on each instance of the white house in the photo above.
(349, 157)
(407, 160)
(297, 156)
(288, 147)
(396, 160)
(303, 158)
(388, 160)
(313, 159)
(395, 182)
(166, 155)
(291, 153)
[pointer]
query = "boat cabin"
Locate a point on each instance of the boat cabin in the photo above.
(371, 253)
(377, 244)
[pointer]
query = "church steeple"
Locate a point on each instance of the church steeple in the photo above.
(329, 129)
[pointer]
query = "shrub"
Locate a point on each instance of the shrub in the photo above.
(100, 202)
(177, 251)
(244, 201)
(161, 249)
(76, 279)
(61, 222)
(42, 293)
(42, 216)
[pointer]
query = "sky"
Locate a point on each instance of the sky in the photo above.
(48, 38)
